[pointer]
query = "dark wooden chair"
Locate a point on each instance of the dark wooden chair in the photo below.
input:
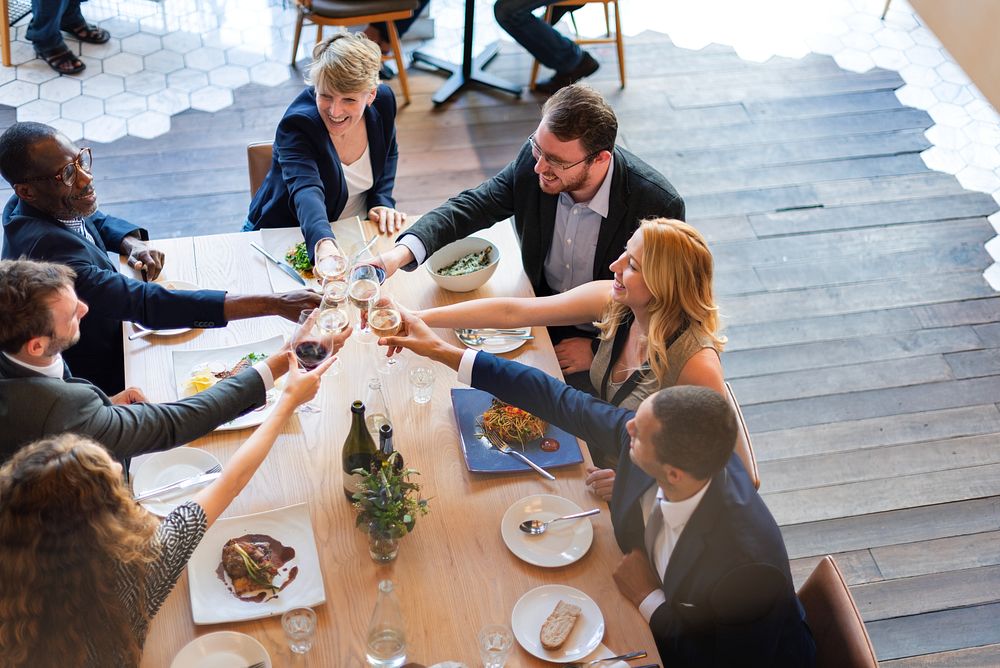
(353, 13)
(841, 638)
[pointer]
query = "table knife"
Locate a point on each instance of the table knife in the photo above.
(179, 485)
(283, 266)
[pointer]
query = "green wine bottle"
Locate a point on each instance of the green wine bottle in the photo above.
(385, 447)
(359, 450)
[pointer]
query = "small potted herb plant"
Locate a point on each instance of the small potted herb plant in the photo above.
(387, 504)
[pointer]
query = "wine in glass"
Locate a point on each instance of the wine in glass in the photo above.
(311, 343)
(334, 294)
(384, 320)
(363, 289)
(335, 319)
(331, 262)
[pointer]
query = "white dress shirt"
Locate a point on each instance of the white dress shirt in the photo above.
(675, 518)
(55, 369)
(359, 179)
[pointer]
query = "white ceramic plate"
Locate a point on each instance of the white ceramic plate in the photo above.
(562, 543)
(278, 240)
(170, 466)
(173, 286)
(211, 600)
(225, 649)
(186, 361)
(533, 608)
(497, 348)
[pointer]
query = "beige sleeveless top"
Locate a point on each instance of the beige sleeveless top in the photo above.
(678, 354)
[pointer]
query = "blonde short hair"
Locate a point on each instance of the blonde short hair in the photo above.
(345, 63)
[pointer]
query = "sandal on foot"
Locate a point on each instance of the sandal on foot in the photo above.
(89, 33)
(62, 60)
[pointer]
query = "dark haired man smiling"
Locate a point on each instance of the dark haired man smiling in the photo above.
(53, 217)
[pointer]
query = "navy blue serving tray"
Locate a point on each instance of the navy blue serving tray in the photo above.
(480, 457)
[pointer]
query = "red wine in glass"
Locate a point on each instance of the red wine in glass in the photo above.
(311, 354)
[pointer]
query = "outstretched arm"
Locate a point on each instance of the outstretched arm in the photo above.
(582, 304)
(299, 388)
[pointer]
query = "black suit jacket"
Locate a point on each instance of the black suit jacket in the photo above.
(112, 297)
(637, 191)
(33, 406)
(729, 593)
(305, 185)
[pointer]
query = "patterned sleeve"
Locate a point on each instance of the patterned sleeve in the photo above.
(176, 538)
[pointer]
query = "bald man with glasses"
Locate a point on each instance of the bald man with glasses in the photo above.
(53, 217)
(575, 199)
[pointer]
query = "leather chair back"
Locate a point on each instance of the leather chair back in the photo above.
(744, 448)
(841, 638)
(258, 164)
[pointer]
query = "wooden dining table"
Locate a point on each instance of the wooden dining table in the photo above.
(454, 573)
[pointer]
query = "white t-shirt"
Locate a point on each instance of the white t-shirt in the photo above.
(359, 179)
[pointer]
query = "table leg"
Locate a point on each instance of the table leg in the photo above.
(470, 70)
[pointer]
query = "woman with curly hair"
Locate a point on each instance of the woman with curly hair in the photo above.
(85, 567)
(658, 321)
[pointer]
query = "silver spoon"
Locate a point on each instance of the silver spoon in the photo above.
(537, 527)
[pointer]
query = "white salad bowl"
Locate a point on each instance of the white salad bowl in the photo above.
(455, 251)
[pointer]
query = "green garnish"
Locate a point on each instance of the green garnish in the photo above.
(298, 257)
(253, 358)
(253, 570)
(468, 263)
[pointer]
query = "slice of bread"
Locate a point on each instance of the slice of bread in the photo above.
(559, 625)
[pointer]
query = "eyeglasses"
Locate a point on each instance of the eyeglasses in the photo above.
(67, 175)
(537, 152)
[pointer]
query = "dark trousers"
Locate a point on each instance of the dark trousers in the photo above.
(48, 18)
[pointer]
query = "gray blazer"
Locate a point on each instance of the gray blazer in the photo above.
(33, 406)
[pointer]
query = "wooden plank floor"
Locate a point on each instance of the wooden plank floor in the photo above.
(863, 342)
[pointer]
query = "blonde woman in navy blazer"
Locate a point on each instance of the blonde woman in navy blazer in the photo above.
(317, 172)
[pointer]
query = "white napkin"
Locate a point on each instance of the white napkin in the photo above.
(603, 652)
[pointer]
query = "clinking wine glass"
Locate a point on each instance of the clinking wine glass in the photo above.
(335, 319)
(384, 320)
(331, 262)
(363, 289)
(312, 343)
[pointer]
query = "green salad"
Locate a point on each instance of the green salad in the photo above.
(298, 257)
(468, 263)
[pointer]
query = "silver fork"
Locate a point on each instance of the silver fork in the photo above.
(500, 445)
(164, 488)
(259, 664)
(621, 657)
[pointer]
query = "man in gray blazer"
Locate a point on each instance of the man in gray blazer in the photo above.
(39, 318)
(575, 197)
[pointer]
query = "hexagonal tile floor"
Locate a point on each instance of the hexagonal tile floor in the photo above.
(169, 56)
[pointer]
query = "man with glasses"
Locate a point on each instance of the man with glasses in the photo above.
(53, 217)
(575, 198)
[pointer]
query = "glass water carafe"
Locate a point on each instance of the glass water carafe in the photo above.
(386, 646)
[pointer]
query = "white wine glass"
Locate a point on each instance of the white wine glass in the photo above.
(335, 319)
(331, 262)
(334, 293)
(363, 289)
(312, 344)
(384, 320)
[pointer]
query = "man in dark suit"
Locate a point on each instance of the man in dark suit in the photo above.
(575, 198)
(704, 559)
(40, 317)
(53, 217)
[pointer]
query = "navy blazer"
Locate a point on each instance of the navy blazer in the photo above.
(112, 297)
(729, 593)
(305, 185)
(637, 192)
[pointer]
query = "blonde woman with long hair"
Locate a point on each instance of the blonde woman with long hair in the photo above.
(658, 321)
(85, 567)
